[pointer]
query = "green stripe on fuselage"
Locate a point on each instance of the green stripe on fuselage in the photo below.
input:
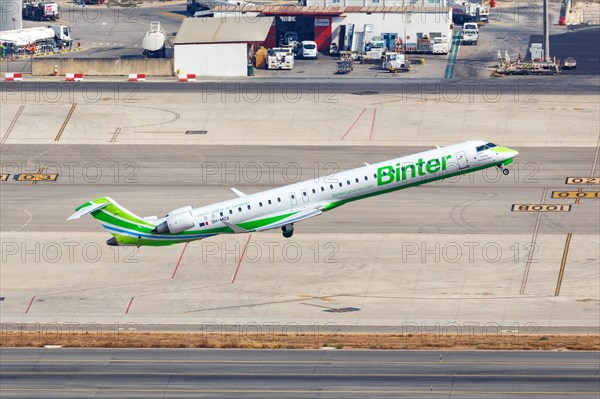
(333, 205)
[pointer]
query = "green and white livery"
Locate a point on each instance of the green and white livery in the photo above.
(281, 208)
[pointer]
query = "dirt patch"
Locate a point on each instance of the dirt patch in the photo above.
(121, 339)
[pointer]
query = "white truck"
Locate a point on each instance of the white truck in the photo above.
(395, 62)
(280, 58)
(469, 36)
(44, 38)
(440, 45)
(41, 11)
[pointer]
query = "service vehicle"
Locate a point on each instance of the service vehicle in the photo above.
(41, 11)
(280, 58)
(469, 36)
(308, 49)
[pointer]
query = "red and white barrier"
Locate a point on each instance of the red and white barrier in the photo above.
(74, 77)
(13, 77)
(137, 77)
(190, 77)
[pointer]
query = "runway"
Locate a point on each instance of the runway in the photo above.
(190, 373)
(429, 255)
(168, 177)
(566, 85)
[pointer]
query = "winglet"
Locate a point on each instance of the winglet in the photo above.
(235, 228)
(238, 192)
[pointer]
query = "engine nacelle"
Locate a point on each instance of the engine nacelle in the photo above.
(177, 221)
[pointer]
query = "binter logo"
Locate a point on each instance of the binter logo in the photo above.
(387, 174)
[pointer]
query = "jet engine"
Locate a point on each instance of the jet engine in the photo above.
(178, 220)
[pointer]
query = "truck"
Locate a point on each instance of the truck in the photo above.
(41, 11)
(469, 36)
(41, 39)
(280, 58)
(395, 62)
(470, 12)
(440, 45)
(154, 41)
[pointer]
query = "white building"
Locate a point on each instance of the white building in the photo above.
(218, 46)
(351, 27)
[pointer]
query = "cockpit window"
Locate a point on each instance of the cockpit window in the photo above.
(485, 147)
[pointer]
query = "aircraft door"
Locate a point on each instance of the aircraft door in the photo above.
(461, 158)
(293, 199)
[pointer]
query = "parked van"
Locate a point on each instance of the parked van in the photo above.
(308, 49)
(471, 25)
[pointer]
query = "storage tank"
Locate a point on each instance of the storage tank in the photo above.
(11, 14)
(154, 41)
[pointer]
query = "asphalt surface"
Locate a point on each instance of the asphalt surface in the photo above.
(200, 373)
(563, 85)
(168, 177)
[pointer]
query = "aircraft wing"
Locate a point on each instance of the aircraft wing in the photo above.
(303, 215)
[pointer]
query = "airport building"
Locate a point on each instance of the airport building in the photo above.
(349, 27)
(218, 46)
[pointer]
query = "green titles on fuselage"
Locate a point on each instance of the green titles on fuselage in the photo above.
(389, 174)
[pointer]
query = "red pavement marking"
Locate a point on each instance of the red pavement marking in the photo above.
(373, 124)
(179, 261)
(241, 259)
(348, 131)
(129, 305)
(30, 303)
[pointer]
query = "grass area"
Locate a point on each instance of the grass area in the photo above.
(122, 339)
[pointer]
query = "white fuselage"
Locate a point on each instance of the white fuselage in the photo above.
(328, 192)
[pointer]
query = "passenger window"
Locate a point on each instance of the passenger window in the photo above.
(221, 214)
(341, 184)
(278, 199)
(270, 202)
(331, 186)
(347, 182)
(304, 193)
(374, 175)
(314, 191)
(239, 209)
(260, 204)
(248, 207)
(293, 196)
(366, 178)
(356, 179)
(322, 188)
(231, 211)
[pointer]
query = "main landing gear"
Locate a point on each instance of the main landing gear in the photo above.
(504, 170)
(288, 230)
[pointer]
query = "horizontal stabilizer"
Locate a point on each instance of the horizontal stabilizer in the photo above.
(88, 209)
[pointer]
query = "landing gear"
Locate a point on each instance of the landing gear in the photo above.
(505, 171)
(288, 230)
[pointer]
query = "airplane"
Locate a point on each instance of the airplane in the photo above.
(283, 207)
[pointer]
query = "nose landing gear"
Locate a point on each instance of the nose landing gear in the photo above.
(288, 230)
(504, 170)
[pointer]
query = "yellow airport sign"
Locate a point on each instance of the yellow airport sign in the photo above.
(582, 180)
(575, 194)
(36, 177)
(541, 208)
